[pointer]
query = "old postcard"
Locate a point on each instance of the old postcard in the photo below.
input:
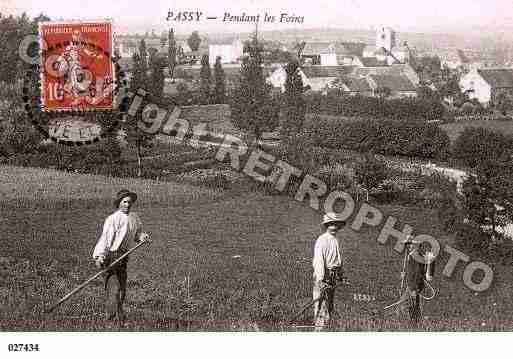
(247, 166)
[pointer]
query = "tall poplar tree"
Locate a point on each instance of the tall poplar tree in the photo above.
(171, 52)
(205, 81)
(220, 82)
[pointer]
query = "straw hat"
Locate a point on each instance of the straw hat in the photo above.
(122, 194)
(331, 217)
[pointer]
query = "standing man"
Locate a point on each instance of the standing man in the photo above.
(119, 231)
(420, 268)
(327, 265)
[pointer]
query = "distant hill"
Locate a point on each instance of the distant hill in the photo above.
(486, 40)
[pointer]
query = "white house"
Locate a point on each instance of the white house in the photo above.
(230, 53)
(485, 84)
(332, 53)
(315, 78)
(278, 77)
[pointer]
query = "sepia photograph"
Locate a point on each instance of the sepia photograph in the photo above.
(255, 166)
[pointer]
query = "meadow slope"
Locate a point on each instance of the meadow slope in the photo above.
(218, 261)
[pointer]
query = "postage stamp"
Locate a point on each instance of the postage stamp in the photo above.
(76, 70)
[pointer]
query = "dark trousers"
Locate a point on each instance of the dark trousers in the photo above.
(115, 286)
(414, 309)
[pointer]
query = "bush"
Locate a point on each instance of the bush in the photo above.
(19, 138)
(472, 239)
(337, 104)
(104, 155)
(301, 152)
(477, 145)
(370, 172)
(392, 190)
(336, 177)
(207, 177)
(404, 138)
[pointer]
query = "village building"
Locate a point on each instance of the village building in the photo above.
(368, 62)
(487, 83)
(320, 78)
(386, 49)
(356, 86)
(399, 86)
(230, 52)
(396, 69)
(332, 54)
(315, 78)
(453, 59)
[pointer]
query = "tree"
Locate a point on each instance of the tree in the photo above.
(205, 80)
(489, 196)
(428, 68)
(163, 39)
(504, 102)
(194, 41)
(253, 107)
(134, 135)
(370, 172)
(383, 92)
(293, 101)
(425, 93)
(171, 52)
(220, 82)
(477, 145)
(143, 56)
(12, 31)
(152, 54)
(449, 89)
(157, 76)
(299, 46)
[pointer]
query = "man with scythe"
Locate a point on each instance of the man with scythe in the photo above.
(119, 230)
(327, 265)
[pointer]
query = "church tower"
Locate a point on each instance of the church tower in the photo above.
(385, 37)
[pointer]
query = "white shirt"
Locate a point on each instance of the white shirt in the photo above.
(326, 255)
(119, 230)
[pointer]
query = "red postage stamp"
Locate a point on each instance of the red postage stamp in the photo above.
(76, 70)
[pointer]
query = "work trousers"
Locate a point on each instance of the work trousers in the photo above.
(323, 308)
(412, 306)
(115, 286)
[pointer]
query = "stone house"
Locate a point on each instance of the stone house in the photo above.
(485, 84)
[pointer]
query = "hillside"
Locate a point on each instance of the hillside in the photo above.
(218, 261)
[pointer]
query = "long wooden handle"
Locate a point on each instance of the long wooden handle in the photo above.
(313, 301)
(81, 286)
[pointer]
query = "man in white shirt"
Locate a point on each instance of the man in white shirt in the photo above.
(327, 265)
(119, 230)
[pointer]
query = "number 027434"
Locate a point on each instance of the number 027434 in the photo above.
(23, 347)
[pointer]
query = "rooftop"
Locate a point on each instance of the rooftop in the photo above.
(339, 48)
(372, 62)
(497, 78)
(326, 71)
(393, 82)
(357, 84)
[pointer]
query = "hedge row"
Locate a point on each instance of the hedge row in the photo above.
(477, 145)
(374, 107)
(387, 137)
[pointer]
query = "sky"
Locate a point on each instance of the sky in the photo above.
(402, 15)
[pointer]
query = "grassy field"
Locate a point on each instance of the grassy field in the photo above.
(218, 261)
(455, 128)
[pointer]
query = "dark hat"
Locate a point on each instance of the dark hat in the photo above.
(122, 194)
